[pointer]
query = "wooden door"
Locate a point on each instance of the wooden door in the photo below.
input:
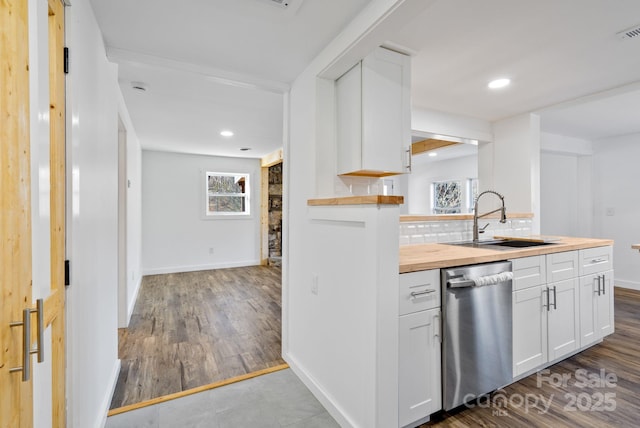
(15, 203)
(16, 388)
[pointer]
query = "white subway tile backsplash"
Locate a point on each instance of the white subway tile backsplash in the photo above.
(462, 230)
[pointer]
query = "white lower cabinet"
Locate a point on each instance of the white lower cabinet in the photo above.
(529, 329)
(419, 372)
(419, 361)
(563, 318)
(546, 317)
(596, 307)
(559, 312)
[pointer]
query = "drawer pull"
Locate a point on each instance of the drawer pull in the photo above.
(415, 294)
(599, 260)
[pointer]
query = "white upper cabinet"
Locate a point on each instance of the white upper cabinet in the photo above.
(373, 115)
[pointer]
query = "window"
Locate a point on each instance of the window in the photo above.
(227, 194)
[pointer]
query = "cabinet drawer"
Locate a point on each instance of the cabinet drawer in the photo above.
(594, 260)
(561, 266)
(419, 291)
(529, 272)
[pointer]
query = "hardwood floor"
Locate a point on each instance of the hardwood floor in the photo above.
(196, 328)
(601, 385)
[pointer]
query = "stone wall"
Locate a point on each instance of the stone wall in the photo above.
(275, 215)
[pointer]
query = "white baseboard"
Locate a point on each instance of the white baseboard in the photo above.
(321, 395)
(633, 285)
(133, 301)
(106, 400)
(193, 268)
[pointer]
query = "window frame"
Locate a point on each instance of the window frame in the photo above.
(227, 214)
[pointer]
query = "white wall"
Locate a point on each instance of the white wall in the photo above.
(133, 239)
(515, 158)
(420, 194)
(176, 237)
(559, 194)
(92, 168)
(566, 202)
(343, 341)
(616, 204)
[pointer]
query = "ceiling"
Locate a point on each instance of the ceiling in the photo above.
(210, 65)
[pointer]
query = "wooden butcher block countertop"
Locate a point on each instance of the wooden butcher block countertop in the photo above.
(435, 256)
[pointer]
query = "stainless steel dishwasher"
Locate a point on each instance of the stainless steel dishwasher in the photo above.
(477, 342)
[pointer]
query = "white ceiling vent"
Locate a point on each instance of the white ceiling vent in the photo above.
(630, 33)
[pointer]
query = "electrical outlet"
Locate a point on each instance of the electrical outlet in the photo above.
(314, 284)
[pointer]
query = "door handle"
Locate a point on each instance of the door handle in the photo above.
(26, 345)
(599, 260)
(26, 339)
(603, 285)
(39, 329)
(555, 298)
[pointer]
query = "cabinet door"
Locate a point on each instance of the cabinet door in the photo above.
(419, 291)
(588, 317)
(386, 110)
(561, 266)
(349, 120)
(529, 329)
(419, 379)
(529, 272)
(564, 318)
(604, 310)
(596, 260)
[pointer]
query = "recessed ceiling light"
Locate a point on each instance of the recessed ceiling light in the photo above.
(433, 154)
(244, 149)
(499, 83)
(226, 133)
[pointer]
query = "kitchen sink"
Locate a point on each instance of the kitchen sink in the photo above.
(514, 243)
(501, 244)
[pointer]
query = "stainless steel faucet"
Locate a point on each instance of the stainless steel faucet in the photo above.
(476, 216)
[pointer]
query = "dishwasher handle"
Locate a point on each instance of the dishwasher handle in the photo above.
(480, 280)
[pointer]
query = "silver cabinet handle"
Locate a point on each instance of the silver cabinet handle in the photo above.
(26, 345)
(603, 285)
(409, 159)
(437, 328)
(598, 260)
(415, 294)
(599, 286)
(548, 304)
(555, 298)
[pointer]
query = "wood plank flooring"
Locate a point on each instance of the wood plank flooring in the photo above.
(196, 328)
(605, 394)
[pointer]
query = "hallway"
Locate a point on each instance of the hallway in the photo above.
(197, 328)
